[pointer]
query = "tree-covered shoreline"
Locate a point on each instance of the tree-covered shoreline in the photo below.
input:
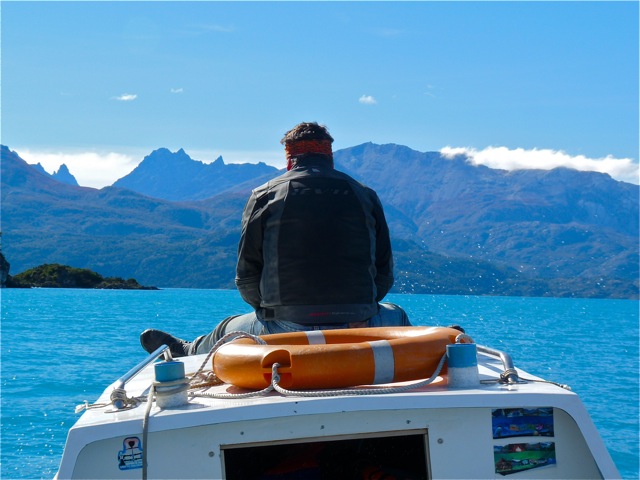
(63, 276)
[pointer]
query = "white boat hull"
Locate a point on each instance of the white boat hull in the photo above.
(452, 431)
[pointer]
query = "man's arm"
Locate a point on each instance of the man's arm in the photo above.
(250, 263)
(384, 256)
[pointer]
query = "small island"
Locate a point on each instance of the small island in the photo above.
(62, 276)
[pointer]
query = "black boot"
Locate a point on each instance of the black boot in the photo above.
(151, 339)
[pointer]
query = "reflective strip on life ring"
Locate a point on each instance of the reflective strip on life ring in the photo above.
(335, 358)
(315, 337)
(383, 361)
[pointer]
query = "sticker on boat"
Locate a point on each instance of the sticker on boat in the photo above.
(130, 456)
(517, 457)
(514, 422)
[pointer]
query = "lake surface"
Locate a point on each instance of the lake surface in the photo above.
(62, 346)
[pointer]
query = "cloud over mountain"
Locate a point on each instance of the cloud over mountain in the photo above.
(503, 158)
(91, 169)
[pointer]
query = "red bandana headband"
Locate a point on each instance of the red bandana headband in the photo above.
(300, 147)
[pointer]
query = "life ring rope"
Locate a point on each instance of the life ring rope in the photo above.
(353, 391)
(275, 378)
(381, 349)
(336, 358)
(210, 377)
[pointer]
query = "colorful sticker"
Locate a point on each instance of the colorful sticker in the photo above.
(130, 456)
(515, 422)
(517, 457)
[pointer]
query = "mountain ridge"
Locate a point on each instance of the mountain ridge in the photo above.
(62, 175)
(465, 207)
(176, 176)
(558, 233)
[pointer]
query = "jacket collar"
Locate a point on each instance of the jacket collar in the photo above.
(313, 161)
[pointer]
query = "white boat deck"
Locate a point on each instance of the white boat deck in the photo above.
(200, 439)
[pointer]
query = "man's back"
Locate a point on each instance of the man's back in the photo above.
(324, 243)
(314, 252)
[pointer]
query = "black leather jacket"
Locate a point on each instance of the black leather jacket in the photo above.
(314, 248)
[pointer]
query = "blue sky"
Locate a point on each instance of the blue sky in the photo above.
(99, 85)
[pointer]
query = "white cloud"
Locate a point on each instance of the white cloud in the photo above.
(624, 169)
(177, 90)
(367, 100)
(126, 97)
(91, 169)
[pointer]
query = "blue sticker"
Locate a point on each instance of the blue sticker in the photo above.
(130, 456)
(518, 422)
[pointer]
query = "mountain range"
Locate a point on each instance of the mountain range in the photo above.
(456, 228)
(176, 176)
(62, 175)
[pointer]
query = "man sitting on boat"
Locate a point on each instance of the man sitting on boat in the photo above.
(314, 252)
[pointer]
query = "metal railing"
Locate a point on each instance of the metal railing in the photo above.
(510, 375)
(122, 381)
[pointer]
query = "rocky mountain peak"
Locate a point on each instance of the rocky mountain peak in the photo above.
(64, 176)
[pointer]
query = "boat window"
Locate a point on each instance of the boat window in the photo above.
(388, 456)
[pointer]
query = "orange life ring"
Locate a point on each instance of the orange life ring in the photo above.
(335, 358)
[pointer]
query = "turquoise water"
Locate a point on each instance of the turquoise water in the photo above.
(60, 347)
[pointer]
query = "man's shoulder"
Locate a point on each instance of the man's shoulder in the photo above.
(356, 184)
(265, 187)
(330, 173)
(349, 178)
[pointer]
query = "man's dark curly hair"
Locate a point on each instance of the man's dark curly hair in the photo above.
(307, 131)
